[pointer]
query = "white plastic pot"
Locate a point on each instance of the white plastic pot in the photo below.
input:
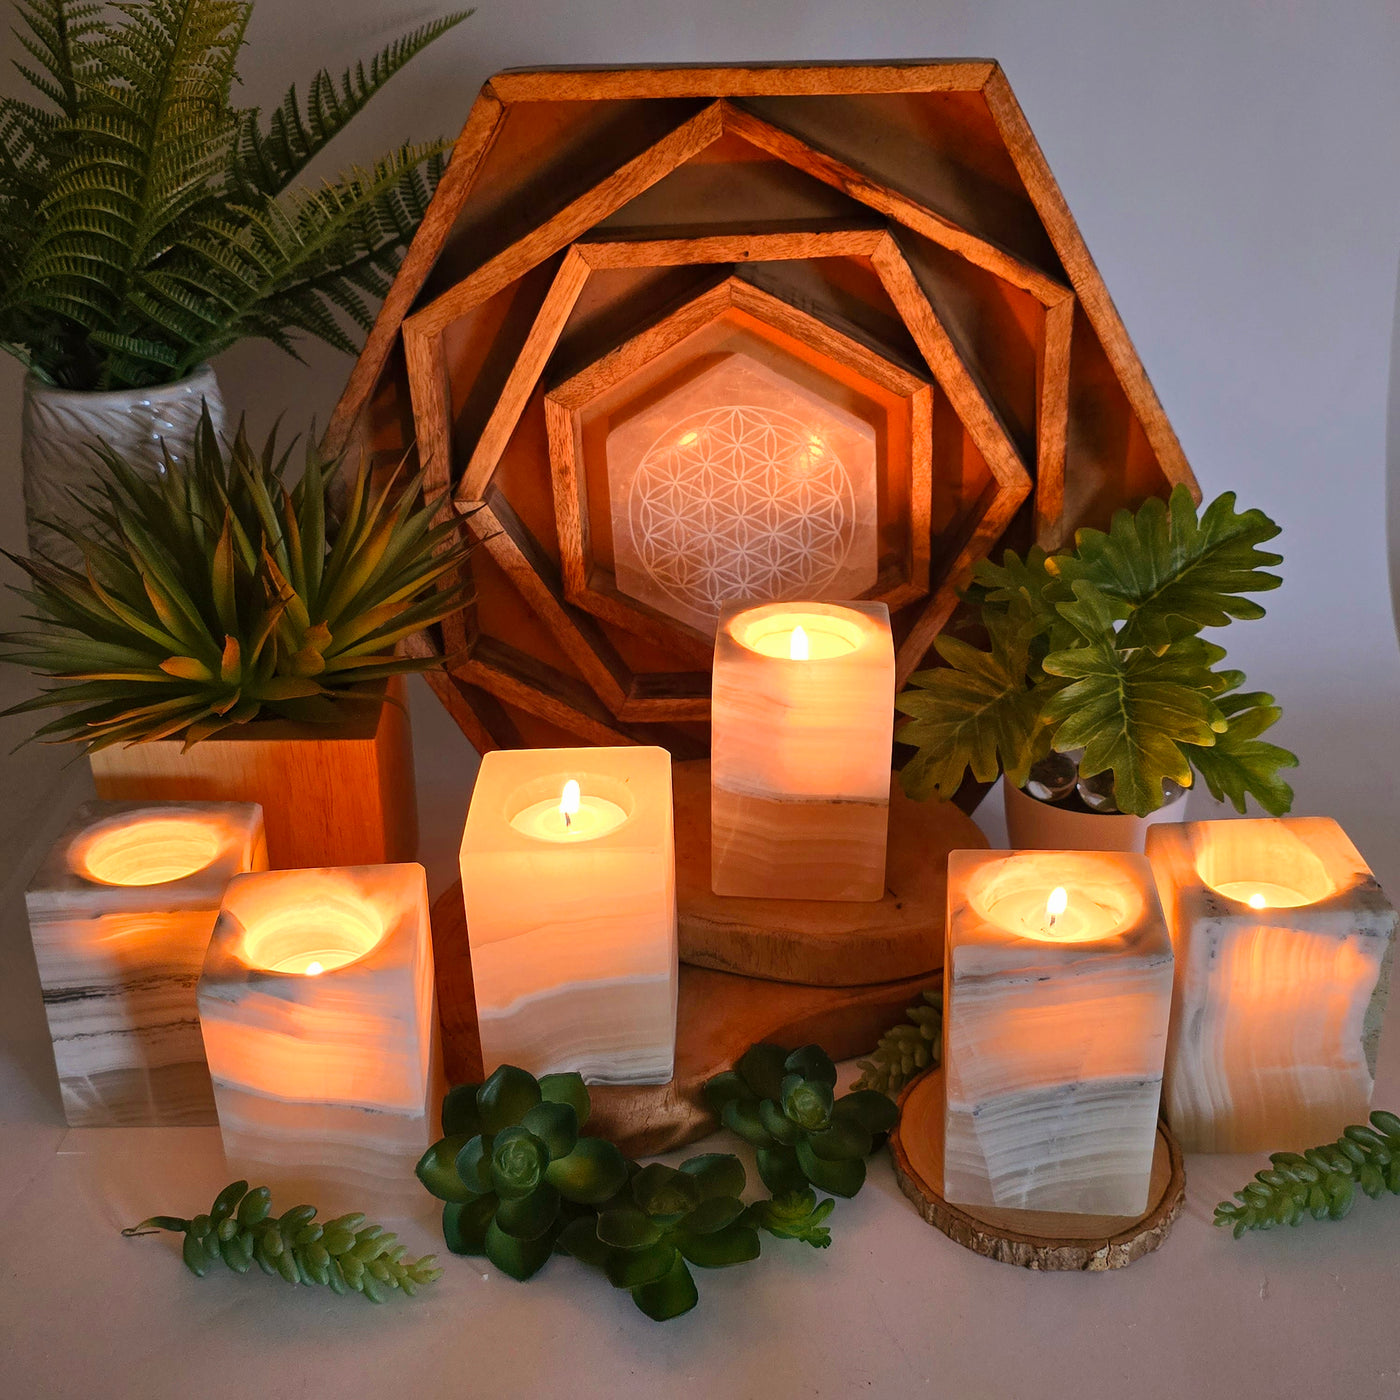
(1039, 826)
(61, 425)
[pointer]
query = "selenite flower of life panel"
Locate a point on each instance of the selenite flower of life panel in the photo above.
(741, 485)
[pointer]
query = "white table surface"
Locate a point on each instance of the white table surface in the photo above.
(892, 1308)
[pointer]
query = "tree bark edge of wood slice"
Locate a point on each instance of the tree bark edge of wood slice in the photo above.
(1035, 1240)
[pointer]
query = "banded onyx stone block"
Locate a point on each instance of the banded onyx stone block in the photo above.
(320, 1030)
(573, 925)
(120, 913)
(1283, 947)
(1057, 986)
(802, 734)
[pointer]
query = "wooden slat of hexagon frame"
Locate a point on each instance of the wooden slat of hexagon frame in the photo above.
(940, 149)
(756, 310)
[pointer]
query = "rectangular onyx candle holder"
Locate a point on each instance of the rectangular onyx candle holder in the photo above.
(1283, 948)
(573, 931)
(1055, 1029)
(120, 913)
(801, 751)
(320, 1030)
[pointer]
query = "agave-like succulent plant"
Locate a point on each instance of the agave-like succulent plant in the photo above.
(662, 1221)
(513, 1170)
(785, 1105)
(215, 595)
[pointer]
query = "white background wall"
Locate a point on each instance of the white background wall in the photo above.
(1235, 168)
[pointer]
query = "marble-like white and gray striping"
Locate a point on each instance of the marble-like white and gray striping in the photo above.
(1277, 1011)
(118, 967)
(1084, 1148)
(611, 1031)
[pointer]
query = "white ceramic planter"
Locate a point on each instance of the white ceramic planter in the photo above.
(1039, 826)
(61, 425)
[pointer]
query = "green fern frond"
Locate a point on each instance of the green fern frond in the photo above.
(146, 223)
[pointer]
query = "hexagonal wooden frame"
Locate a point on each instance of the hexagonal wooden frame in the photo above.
(759, 311)
(771, 109)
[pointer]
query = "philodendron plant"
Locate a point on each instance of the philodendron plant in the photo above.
(1096, 652)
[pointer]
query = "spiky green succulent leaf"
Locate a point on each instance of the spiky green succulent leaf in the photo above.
(212, 596)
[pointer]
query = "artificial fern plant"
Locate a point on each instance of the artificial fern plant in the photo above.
(1098, 650)
(214, 595)
(147, 223)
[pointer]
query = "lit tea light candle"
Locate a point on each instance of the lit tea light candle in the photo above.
(1057, 976)
(572, 816)
(1282, 940)
(802, 727)
(569, 882)
(120, 913)
(316, 1002)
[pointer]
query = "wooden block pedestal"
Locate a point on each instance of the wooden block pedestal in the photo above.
(821, 943)
(1039, 1240)
(720, 1016)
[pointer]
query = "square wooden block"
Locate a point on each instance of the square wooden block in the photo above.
(320, 1029)
(120, 913)
(573, 929)
(1283, 946)
(802, 741)
(1057, 989)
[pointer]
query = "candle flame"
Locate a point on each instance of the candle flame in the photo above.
(1056, 904)
(569, 802)
(314, 969)
(1256, 900)
(798, 646)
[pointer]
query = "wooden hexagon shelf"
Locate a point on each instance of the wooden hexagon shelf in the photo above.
(896, 221)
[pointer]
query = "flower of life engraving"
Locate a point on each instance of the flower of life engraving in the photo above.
(741, 502)
(741, 485)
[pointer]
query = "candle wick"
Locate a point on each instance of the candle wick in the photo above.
(568, 821)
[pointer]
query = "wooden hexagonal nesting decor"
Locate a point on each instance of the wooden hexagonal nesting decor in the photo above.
(669, 336)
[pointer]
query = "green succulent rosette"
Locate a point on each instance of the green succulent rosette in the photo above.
(513, 1169)
(784, 1104)
(664, 1220)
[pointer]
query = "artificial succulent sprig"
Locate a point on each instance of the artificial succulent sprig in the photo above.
(513, 1170)
(662, 1221)
(784, 1104)
(344, 1254)
(906, 1049)
(795, 1216)
(1320, 1181)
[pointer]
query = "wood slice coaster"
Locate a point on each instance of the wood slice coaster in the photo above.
(1030, 1238)
(821, 943)
(720, 1016)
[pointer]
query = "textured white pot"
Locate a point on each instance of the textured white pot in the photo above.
(1038, 826)
(61, 426)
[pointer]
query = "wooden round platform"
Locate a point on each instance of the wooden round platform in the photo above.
(1031, 1239)
(821, 943)
(719, 1015)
